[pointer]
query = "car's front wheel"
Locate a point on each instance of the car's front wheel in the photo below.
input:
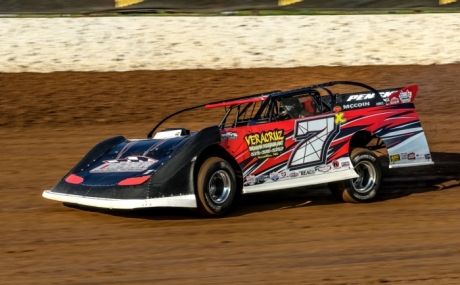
(365, 187)
(216, 186)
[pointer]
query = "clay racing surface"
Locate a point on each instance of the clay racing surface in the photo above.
(411, 235)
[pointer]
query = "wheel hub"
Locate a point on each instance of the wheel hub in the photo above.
(367, 177)
(219, 187)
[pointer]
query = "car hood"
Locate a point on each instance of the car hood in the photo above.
(126, 160)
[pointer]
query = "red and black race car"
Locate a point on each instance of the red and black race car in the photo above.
(270, 141)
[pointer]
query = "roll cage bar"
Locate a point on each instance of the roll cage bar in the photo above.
(277, 95)
(149, 135)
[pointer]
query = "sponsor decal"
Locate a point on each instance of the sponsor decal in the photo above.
(427, 156)
(395, 158)
(360, 97)
(403, 155)
(394, 101)
(262, 178)
(368, 96)
(405, 97)
(228, 136)
(335, 164)
(274, 176)
(356, 105)
(294, 174)
(265, 144)
(380, 103)
(386, 94)
(307, 172)
(129, 164)
(251, 179)
(323, 168)
(339, 119)
(283, 174)
(346, 164)
(337, 109)
(411, 156)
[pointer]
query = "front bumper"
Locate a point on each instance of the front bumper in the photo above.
(184, 201)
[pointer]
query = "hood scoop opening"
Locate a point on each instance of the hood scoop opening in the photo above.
(172, 133)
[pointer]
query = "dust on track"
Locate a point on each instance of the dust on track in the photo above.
(48, 121)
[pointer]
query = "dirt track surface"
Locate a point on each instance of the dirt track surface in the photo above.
(411, 235)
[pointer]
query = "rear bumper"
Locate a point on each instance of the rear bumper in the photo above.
(184, 201)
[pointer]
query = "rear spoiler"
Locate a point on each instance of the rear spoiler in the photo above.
(409, 91)
(365, 95)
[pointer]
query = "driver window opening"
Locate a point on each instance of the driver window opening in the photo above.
(299, 106)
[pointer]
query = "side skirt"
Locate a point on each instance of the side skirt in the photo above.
(302, 181)
(411, 164)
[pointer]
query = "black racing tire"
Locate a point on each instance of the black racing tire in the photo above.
(364, 188)
(215, 186)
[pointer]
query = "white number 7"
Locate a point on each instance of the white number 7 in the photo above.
(315, 136)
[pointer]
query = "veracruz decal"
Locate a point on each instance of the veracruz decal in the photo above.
(265, 144)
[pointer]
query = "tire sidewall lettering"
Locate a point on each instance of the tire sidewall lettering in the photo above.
(371, 194)
(360, 157)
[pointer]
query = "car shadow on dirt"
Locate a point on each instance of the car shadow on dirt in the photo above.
(401, 182)
(397, 183)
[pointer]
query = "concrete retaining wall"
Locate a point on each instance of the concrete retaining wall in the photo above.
(158, 43)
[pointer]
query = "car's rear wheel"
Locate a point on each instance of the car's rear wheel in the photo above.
(216, 186)
(365, 187)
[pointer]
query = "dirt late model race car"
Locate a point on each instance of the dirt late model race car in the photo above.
(270, 141)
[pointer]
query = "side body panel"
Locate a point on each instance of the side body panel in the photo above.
(288, 153)
(397, 125)
(315, 150)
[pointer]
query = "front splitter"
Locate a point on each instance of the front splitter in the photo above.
(185, 201)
